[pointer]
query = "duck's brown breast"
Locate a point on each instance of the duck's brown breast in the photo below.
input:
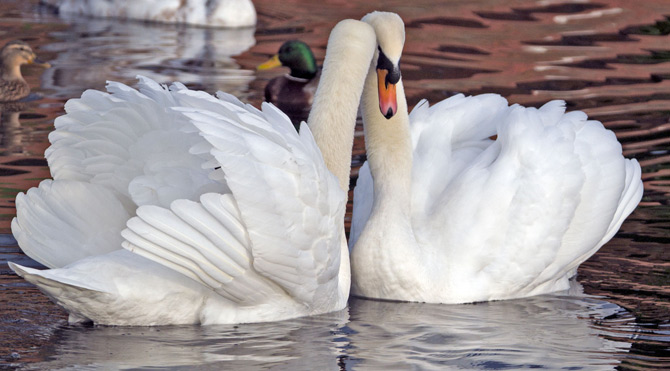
(13, 90)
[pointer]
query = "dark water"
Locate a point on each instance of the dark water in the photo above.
(608, 58)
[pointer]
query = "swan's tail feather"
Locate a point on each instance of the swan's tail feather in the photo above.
(47, 280)
(63, 290)
(56, 224)
(630, 197)
(610, 187)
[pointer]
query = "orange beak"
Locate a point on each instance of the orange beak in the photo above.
(388, 103)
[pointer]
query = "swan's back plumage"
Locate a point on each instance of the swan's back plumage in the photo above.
(512, 216)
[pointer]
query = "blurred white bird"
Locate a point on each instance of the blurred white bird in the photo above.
(213, 13)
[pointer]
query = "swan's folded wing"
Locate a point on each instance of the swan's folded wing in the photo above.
(446, 138)
(288, 211)
(542, 198)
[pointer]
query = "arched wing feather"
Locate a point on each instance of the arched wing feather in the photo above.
(286, 207)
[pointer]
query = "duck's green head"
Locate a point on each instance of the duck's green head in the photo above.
(295, 55)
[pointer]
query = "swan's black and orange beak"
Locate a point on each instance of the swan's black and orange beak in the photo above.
(388, 76)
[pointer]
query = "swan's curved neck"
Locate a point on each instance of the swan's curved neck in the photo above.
(333, 115)
(389, 148)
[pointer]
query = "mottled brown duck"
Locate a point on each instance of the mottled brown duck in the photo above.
(12, 84)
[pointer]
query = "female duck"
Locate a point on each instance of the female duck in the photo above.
(12, 56)
(444, 214)
(226, 213)
(293, 92)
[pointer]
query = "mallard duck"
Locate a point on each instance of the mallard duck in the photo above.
(13, 55)
(205, 210)
(445, 214)
(214, 13)
(293, 92)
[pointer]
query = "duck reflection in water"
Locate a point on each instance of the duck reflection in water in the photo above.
(11, 136)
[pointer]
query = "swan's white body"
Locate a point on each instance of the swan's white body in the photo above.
(230, 215)
(216, 13)
(445, 214)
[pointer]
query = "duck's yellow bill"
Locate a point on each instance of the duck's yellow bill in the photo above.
(270, 63)
(40, 63)
(388, 103)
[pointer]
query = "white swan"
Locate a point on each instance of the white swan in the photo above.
(260, 239)
(214, 13)
(444, 214)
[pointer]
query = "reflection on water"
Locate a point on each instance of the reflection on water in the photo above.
(308, 343)
(543, 332)
(11, 137)
(200, 57)
(609, 58)
(549, 331)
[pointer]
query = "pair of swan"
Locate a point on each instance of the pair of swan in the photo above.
(212, 13)
(228, 215)
(12, 56)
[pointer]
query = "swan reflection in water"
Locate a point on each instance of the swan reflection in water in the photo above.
(545, 331)
(93, 51)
